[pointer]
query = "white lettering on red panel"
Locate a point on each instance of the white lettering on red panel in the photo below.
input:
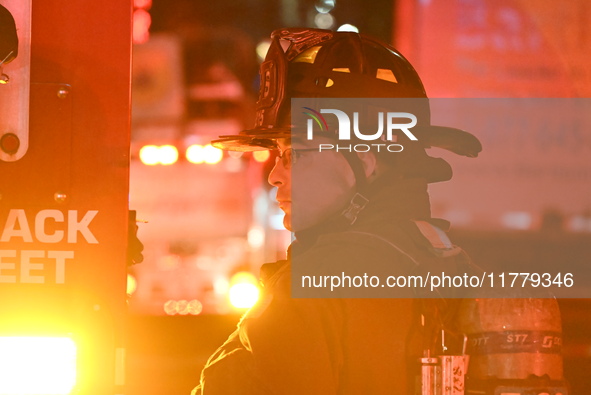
(29, 266)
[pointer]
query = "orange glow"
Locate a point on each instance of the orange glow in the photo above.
(152, 155)
(199, 154)
(194, 154)
(145, 4)
(183, 307)
(131, 284)
(256, 237)
(262, 49)
(141, 26)
(149, 155)
(261, 156)
(170, 307)
(37, 365)
(244, 291)
(168, 154)
(212, 155)
(195, 307)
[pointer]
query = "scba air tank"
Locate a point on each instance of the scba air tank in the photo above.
(515, 346)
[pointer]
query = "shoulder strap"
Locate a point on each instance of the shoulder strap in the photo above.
(386, 241)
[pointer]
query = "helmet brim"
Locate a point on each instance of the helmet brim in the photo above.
(252, 140)
(451, 139)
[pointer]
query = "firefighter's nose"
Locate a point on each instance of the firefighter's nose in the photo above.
(278, 175)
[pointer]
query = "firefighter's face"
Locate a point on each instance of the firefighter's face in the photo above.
(313, 187)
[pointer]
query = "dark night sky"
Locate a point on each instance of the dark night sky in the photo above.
(259, 17)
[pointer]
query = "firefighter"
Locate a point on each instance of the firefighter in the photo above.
(349, 211)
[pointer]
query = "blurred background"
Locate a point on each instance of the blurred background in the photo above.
(208, 218)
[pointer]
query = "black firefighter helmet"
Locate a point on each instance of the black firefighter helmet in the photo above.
(315, 63)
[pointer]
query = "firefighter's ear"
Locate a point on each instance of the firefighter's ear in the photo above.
(369, 162)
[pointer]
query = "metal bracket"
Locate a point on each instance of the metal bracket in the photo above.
(15, 91)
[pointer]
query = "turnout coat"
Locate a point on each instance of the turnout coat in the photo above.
(348, 340)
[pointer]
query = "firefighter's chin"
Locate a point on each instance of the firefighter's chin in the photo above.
(287, 222)
(286, 207)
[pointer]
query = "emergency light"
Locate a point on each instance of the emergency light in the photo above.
(37, 365)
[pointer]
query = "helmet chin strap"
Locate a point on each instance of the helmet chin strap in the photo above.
(358, 201)
(358, 170)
